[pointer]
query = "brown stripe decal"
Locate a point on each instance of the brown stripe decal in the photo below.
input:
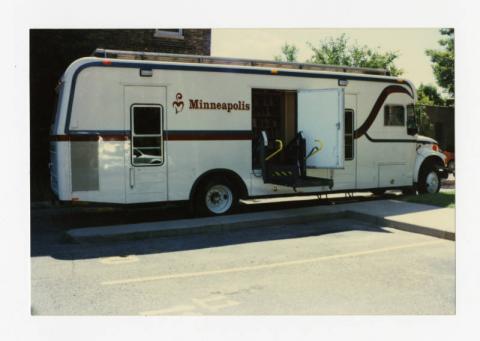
(207, 135)
(377, 106)
(183, 135)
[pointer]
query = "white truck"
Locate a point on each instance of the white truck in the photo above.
(138, 127)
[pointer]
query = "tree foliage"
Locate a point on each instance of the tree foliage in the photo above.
(443, 61)
(429, 95)
(338, 51)
(289, 53)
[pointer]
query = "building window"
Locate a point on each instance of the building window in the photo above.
(394, 115)
(147, 135)
(176, 33)
(348, 134)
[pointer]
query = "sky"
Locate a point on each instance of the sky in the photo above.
(411, 44)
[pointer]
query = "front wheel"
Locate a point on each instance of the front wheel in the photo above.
(216, 197)
(429, 181)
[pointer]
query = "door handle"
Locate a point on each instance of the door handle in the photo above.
(132, 177)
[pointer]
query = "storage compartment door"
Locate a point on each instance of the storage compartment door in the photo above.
(321, 120)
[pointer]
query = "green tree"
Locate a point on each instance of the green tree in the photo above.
(426, 95)
(289, 53)
(429, 95)
(443, 61)
(338, 51)
(425, 126)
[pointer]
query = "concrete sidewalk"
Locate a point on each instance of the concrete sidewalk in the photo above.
(416, 218)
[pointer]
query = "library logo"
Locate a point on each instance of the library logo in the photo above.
(178, 103)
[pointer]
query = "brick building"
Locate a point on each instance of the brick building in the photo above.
(51, 51)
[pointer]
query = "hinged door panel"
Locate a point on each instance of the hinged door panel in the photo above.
(321, 120)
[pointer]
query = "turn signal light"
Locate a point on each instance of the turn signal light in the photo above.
(435, 147)
(106, 62)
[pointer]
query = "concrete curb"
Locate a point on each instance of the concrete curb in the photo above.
(240, 221)
(192, 226)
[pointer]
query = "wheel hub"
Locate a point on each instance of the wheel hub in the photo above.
(432, 182)
(219, 199)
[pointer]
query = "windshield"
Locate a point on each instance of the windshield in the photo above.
(56, 115)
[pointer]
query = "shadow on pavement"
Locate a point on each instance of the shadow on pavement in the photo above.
(48, 239)
(68, 251)
(47, 230)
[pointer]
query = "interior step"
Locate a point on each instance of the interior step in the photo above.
(287, 175)
(309, 181)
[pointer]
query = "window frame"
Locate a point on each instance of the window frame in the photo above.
(133, 135)
(162, 33)
(352, 135)
(404, 115)
(414, 115)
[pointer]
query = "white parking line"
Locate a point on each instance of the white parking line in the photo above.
(215, 303)
(210, 304)
(178, 309)
(267, 266)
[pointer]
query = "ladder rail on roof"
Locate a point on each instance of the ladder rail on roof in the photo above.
(186, 58)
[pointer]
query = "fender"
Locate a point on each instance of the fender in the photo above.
(237, 179)
(424, 152)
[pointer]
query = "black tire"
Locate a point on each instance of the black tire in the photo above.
(379, 191)
(428, 180)
(451, 166)
(409, 191)
(216, 196)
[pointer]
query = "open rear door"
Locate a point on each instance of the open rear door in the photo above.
(321, 120)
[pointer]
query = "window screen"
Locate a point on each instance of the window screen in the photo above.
(394, 115)
(147, 136)
(348, 134)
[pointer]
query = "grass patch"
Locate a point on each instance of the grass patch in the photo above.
(441, 199)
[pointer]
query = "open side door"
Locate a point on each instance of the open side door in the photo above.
(321, 120)
(291, 173)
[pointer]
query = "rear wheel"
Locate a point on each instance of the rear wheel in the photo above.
(379, 191)
(216, 196)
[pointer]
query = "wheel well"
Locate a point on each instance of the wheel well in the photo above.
(430, 161)
(229, 174)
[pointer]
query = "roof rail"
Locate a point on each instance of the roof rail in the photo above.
(186, 58)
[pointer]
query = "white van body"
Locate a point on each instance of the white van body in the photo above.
(208, 123)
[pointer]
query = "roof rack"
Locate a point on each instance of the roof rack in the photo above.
(186, 58)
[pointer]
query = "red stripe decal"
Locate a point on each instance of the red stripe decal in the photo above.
(168, 136)
(194, 136)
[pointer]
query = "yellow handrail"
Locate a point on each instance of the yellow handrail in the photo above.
(280, 144)
(315, 149)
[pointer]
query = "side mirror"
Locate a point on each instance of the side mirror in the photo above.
(412, 131)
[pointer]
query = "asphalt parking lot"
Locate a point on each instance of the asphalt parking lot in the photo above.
(340, 266)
